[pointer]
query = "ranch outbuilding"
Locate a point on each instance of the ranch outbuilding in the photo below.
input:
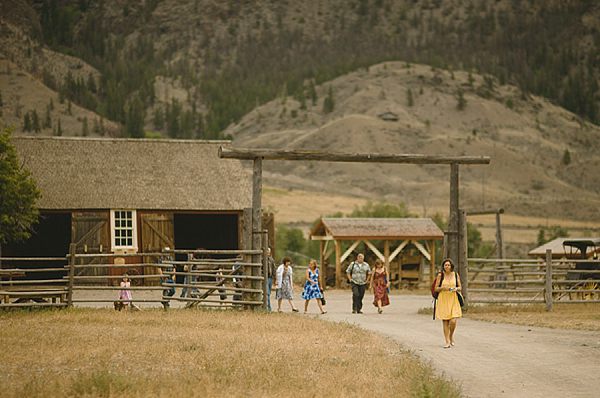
(132, 196)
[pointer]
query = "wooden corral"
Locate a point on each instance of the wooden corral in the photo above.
(407, 244)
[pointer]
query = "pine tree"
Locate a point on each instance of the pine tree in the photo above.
(69, 108)
(26, 122)
(409, 97)
(35, 122)
(18, 194)
(1, 103)
(462, 102)
(329, 103)
(58, 129)
(84, 128)
(566, 159)
(47, 119)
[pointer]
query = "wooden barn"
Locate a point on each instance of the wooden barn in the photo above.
(405, 245)
(132, 196)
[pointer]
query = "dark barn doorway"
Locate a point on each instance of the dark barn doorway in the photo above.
(51, 238)
(205, 231)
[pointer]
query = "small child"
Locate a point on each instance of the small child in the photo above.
(125, 294)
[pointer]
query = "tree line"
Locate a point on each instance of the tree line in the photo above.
(534, 45)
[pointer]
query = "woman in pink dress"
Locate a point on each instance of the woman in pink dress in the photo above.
(125, 294)
(380, 284)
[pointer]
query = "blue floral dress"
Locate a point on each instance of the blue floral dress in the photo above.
(312, 290)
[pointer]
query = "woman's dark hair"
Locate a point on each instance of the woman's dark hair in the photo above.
(286, 260)
(448, 260)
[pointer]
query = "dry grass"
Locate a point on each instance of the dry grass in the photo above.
(564, 316)
(152, 353)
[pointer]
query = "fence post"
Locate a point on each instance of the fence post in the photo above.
(72, 248)
(265, 270)
(463, 265)
(548, 280)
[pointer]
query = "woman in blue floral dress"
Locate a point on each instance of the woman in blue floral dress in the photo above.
(312, 287)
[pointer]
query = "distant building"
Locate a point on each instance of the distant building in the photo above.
(389, 117)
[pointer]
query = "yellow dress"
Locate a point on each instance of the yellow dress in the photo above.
(447, 306)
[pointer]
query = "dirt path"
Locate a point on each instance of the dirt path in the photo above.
(489, 360)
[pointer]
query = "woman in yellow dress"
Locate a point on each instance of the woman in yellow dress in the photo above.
(447, 307)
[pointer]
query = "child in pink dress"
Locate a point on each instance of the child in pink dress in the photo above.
(125, 294)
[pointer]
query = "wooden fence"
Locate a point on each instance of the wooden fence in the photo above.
(95, 278)
(532, 281)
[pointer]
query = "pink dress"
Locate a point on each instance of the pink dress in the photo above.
(125, 294)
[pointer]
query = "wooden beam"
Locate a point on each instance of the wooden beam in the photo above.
(421, 249)
(349, 251)
(375, 250)
(338, 264)
(398, 250)
(272, 154)
(326, 237)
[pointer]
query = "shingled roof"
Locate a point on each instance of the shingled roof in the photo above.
(378, 228)
(153, 174)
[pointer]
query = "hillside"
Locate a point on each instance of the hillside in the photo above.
(525, 140)
(246, 70)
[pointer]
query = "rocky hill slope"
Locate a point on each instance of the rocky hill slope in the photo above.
(525, 137)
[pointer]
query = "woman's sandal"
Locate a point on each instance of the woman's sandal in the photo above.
(295, 309)
(380, 311)
(447, 346)
(323, 312)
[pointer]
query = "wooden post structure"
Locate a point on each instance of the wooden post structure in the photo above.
(548, 280)
(256, 217)
(322, 261)
(463, 256)
(431, 261)
(265, 270)
(72, 248)
(258, 155)
(453, 241)
(247, 244)
(338, 264)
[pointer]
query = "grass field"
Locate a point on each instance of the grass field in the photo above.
(153, 353)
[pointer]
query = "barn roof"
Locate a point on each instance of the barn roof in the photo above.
(153, 174)
(378, 228)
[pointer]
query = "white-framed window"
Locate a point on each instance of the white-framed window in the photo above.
(123, 231)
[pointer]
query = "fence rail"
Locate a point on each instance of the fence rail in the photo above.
(95, 278)
(533, 281)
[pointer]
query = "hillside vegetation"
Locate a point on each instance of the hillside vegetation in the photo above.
(515, 80)
(229, 56)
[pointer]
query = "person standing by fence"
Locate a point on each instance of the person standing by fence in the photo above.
(312, 287)
(359, 274)
(284, 284)
(448, 307)
(380, 284)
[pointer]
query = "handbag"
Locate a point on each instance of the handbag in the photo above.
(461, 299)
(322, 298)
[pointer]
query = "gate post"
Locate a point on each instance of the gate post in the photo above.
(463, 266)
(256, 222)
(548, 280)
(72, 248)
(265, 270)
